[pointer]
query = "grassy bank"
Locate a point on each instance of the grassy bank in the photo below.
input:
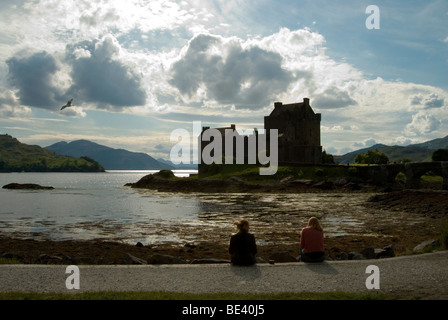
(252, 172)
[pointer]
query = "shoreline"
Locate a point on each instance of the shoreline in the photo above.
(427, 208)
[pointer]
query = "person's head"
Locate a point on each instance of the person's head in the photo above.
(314, 223)
(242, 225)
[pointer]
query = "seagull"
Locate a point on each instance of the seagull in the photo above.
(69, 104)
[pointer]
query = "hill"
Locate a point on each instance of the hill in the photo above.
(420, 152)
(110, 159)
(181, 166)
(16, 157)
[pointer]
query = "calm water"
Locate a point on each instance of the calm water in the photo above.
(97, 205)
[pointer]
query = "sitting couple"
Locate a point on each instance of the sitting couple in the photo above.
(243, 249)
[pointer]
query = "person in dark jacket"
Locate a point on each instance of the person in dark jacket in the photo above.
(242, 246)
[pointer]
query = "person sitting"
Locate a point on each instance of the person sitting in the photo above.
(312, 242)
(242, 246)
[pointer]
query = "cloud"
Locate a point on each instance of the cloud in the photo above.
(422, 123)
(431, 101)
(10, 105)
(223, 71)
(100, 78)
(365, 143)
(32, 74)
(333, 98)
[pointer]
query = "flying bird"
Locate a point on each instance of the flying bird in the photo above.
(69, 104)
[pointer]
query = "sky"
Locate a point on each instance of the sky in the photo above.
(137, 69)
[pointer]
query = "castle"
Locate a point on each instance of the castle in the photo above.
(298, 132)
(298, 135)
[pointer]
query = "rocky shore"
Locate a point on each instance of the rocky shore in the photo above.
(166, 182)
(391, 239)
(394, 236)
(98, 252)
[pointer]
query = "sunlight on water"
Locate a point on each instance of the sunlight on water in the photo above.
(97, 205)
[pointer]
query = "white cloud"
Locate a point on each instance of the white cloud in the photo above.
(422, 123)
(112, 55)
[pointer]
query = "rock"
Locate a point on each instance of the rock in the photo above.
(237, 180)
(355, 256)
(139, 244)
(368, 253)
(261, 260)
(287, 180)
(353, 186)
(324, 185)
(190, 245)
(47, 259)
(282, 257)
(165, 259)
(164, 174)
(13, 256)
(340, 182)
(83, 260)
(386, 252)
(209, 261)
(427, 245)
(29, 186)
(343, 256)
(133, 259)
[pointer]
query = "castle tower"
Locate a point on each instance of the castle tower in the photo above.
(298, 132)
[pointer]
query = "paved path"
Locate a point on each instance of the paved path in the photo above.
(424, 276)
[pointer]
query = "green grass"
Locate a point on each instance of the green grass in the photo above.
(252, 172)
(160, 295)
(444, 236)
(9, 261)
(432, 178)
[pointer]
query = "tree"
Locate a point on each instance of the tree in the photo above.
(327, 158)
(440, 155)
(372, 157)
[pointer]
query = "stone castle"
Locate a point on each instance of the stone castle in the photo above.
(298, 134)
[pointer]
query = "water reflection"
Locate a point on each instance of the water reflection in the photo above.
(87, 206)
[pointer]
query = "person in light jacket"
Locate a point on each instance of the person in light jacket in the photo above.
(312, 242)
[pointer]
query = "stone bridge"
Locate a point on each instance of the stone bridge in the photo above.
(386, 174)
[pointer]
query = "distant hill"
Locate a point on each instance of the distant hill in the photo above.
(181, 166)
(420, 152)
(110, 159)
(16, 157)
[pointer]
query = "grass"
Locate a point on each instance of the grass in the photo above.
(444, 236)
(252, 172)
(9, 261)
(161, 295)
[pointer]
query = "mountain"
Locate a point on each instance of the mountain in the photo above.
(181, 166)
(110, 159)
(420, 152)
(16, 157)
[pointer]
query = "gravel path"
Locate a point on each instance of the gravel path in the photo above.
(424, 276)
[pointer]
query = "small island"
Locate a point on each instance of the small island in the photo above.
(26, 186)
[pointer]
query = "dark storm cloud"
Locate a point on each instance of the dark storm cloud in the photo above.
(249, 78)
(32, 75)
(333, 98)
(429, 102)
(99, 78)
